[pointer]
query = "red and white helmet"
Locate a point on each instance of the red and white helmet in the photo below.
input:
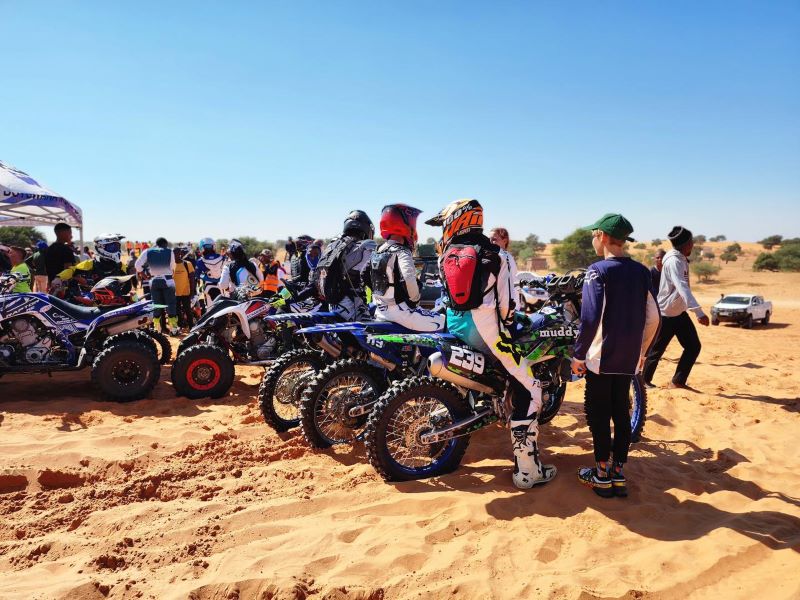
(400, 220)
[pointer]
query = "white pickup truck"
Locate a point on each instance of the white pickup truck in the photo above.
(744, 309)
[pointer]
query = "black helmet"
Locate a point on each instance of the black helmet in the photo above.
(358, 223)
(303, 242)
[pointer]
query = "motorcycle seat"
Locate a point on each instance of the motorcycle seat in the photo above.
(79, 313)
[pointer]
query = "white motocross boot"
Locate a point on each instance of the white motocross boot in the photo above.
(528, 471)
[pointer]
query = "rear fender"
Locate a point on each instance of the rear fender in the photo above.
(140, 314)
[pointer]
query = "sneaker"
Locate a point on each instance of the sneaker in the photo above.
(599, 482)
(619, 485)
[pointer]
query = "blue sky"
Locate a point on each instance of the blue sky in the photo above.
(271, 119)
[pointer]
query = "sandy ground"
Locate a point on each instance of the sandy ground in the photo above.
(167, 498)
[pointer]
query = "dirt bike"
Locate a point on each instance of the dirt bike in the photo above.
(336, 402)
(421, 426)
(42, 334)
(244, 329)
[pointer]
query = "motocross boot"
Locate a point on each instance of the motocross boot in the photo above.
(528, 470)
(173, 325)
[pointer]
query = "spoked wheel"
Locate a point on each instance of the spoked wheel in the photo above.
(325, 410)
(638, 407)
(407, 411)
(203, 371)
(282, 387)
(125, 371)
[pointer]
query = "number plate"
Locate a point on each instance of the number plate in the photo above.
(466, 360)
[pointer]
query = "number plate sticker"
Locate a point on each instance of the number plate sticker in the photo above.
(466, 359)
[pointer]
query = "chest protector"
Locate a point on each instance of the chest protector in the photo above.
(465, 270)
(385, 272)
(330, 278)
(214, 265)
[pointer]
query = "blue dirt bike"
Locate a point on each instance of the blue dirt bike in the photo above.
(336, 402)
(421, 426)
(42, 334)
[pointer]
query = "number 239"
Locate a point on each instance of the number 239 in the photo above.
(467, 360)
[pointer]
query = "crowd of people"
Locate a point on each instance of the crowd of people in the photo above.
(628, 317)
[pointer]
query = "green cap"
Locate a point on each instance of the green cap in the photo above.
(614, 225)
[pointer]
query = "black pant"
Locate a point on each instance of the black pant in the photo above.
(185, 314)
(607, 398)
(682, 327)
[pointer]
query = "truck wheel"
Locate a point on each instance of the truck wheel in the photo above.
(715, 321)
(748, 322)
(765, 320)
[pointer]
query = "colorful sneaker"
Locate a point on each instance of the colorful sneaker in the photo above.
(599, 482)
(619, 485)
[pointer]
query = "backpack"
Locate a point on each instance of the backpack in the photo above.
(465, 270)
(330, 278)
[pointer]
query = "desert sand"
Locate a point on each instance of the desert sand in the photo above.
(168, 498)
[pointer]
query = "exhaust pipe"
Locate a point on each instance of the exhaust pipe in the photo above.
(438, 369)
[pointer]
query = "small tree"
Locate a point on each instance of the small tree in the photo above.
(709, 255)
(718, 238)
(430, 241)
(575, 251)
(699, 239)
(766, 262)
(656, 242)
(728, 256)
(705, 270)
(771, 241)
(555, 241)
(20, 236)
(640, 246)
(734, 248)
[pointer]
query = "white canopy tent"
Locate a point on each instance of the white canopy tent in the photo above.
(24, 202)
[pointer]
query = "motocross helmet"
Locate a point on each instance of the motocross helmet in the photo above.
(236, 250)
(207, 245)
(400, 220)
(359, 225)
(111, 291)
(41, 245)
(107, 246)
(180, 252)
(458, 218)
(303, 242)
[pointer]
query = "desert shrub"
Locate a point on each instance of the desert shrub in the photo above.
(766, 262)
(640, 246)
(735, 248)
(771, 241)
(729, 256)
(656, 242)
(718, 238)
(705, 271)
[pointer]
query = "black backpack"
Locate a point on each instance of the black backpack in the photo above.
(330, 278)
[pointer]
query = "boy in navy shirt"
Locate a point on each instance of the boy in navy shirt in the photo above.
(619, 319)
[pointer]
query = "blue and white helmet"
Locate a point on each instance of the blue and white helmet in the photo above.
(108, 246)
(207, 243)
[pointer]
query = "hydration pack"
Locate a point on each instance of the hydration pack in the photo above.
(330, 276)
(465, 270)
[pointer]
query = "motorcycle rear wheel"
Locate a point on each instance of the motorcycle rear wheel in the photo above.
(407, 410)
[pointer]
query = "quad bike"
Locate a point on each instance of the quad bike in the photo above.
(42, 334)
(245, 330)
(421, 426)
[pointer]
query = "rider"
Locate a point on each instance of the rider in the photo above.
(239, 271)
(107, 262)
(209, 266)
(301, 268)
(395, 289)
(337, 275)
(160, 261)
(481, 312)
